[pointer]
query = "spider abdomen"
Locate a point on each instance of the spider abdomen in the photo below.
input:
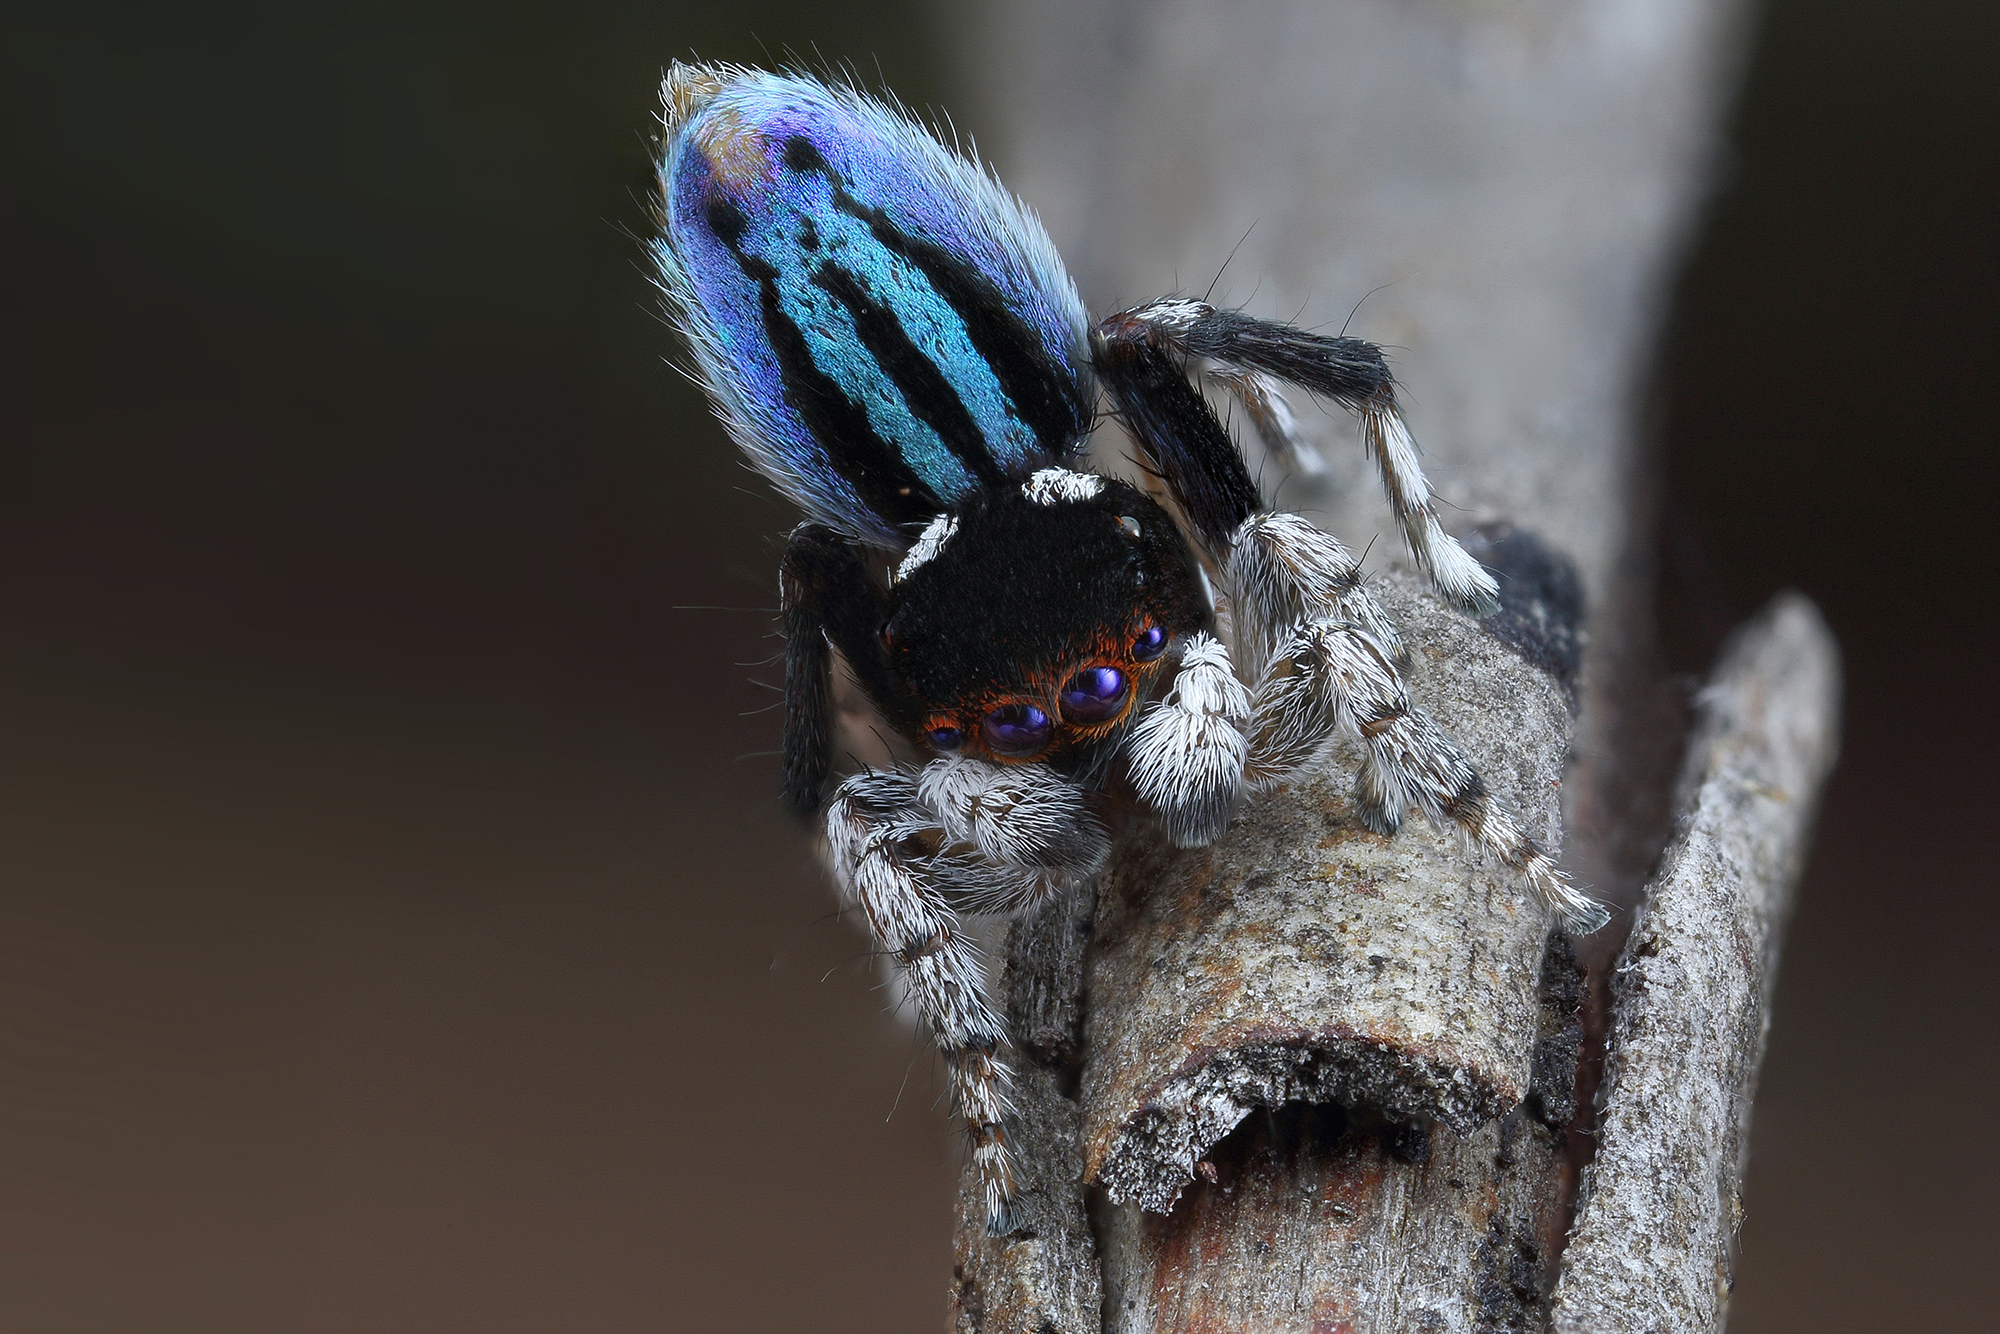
(883, 328)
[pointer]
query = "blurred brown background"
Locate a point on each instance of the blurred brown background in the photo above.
(396, 928)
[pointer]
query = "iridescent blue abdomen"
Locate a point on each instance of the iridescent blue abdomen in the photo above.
(882, 327)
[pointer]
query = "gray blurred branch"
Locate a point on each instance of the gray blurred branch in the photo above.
(1343, 1065)
(1656, 1226)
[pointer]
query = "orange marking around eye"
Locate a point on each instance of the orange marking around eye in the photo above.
(1042, 687)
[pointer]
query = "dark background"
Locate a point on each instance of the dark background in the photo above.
(396, 931)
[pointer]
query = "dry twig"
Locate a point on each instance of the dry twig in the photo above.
(1346, 1065)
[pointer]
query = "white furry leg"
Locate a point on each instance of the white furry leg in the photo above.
(1186, 752)
(1332, 676)
(1455, 574)
(881, 837)
(1246, 356)
(1410, 762)
(1283, 573)
(1270, 415)
(1019, 832)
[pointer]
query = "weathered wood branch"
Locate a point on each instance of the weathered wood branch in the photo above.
(1306, 960)
(1656, 1227)
(1309, 1078)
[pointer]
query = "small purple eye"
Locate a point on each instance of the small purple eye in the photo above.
(1152, 642)
(1093, 695)
(946, 738)
(1016, 729)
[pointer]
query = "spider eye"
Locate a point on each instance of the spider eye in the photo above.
(1150, 644)
(1016, 729)
(1093, 695)
(946, 738)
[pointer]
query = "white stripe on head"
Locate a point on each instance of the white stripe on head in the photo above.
(1052, 486)
(929, 543)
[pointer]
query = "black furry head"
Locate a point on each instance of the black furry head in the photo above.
(1039, 617)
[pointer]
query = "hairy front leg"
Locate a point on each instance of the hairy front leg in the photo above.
(881, 837)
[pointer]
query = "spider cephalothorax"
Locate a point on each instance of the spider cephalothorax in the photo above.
(892, 340)
(1029, 622)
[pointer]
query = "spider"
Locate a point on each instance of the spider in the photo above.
(892, 340)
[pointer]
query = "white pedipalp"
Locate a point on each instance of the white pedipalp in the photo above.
(1018, 816)
(1187, 750)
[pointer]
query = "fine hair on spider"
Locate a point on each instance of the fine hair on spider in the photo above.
(892, 340)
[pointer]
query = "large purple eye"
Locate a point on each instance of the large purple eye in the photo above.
(1016, 729)
(1152, 642)
(1093, 695)
(946, 738)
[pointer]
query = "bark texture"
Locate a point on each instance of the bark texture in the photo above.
(1330, 1216)
(1044, 1278)
(1304, 958)
(1654, 1241)
(1317, 1080)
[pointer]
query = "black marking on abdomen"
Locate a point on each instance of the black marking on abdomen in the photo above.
(803, 155)
(930, 396)
(1043, 390)
(879, 474)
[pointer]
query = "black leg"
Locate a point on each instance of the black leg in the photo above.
(1143, 355)
(1348, 371)
(1146, 375)
(827, 596)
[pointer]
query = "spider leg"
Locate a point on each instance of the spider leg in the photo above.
(1347, 370)
(828, 602)
(1283, 572)
(1144, 365)
(1263, 402)
(1280, 569)
(876, 830)
(904, 846)
(1187, 750)
(1334, 675)
(1016, 834)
